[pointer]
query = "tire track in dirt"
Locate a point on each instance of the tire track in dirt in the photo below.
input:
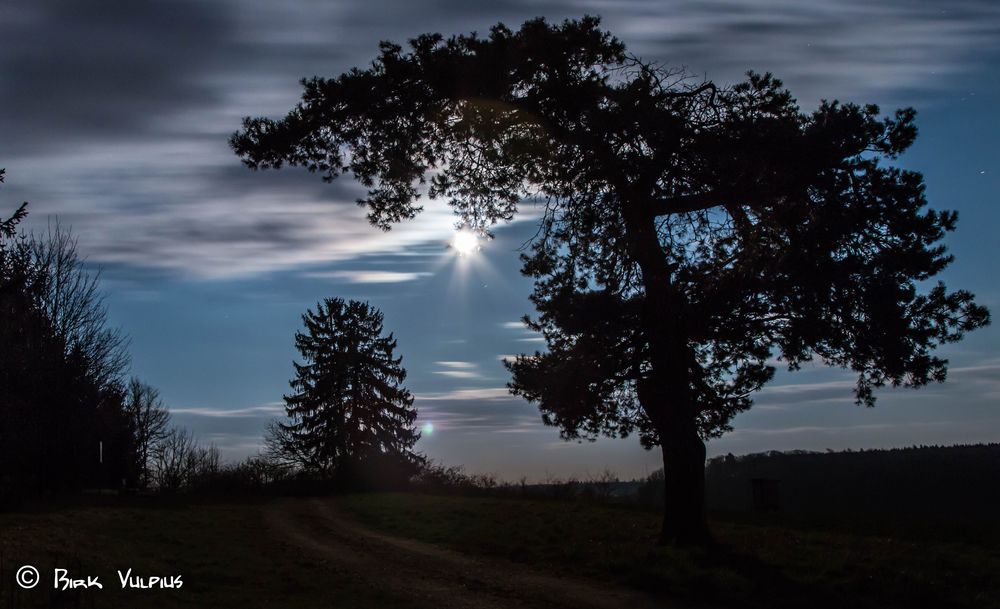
(444, 577)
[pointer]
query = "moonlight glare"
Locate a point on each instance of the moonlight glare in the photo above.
(465, 242)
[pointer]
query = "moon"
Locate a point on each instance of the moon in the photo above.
(465, 242)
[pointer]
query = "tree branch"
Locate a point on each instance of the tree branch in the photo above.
(685, 203)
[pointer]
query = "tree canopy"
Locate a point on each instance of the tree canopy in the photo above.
(691, 233)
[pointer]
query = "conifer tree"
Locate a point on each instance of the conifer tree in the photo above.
(348, 404)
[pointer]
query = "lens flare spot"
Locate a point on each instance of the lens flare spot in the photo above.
(427, 429)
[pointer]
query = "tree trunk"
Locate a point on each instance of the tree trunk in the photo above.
(684, 518)
(665, 393)
(669, 408)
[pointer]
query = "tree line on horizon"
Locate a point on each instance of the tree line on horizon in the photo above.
(946, 482)
(71, 417)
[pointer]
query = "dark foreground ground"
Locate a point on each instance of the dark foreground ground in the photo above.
(394, 550)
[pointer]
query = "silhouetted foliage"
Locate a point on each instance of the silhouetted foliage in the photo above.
(149, 422)
(179, 463)
(8, 227)
(281, 447)
(61, 370)
(349, 415)
(435, 477)
(252, 475)
(691, 231)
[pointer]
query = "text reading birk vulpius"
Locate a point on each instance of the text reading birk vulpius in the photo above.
(128, 580)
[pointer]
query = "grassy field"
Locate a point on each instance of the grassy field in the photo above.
(224, 552)
(762, 560)
(287, 553)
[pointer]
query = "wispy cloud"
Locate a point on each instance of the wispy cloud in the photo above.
(456, 364)
(527, 335)
(188, 227)
(457, 374)
(506, 419)
(799, 388)
(124, 134)
(846, 49)
(255, 411)
(457, 370)
(367, 276)
(473, 394)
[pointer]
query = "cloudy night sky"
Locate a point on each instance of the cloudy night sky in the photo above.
(115, 116)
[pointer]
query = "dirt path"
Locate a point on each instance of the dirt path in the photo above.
(442, 577)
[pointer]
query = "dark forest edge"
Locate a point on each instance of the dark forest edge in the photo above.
(930, 483)
(919, 483)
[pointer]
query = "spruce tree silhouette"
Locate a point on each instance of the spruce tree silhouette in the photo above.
(348, 406)
(690, 231)
(8, 227)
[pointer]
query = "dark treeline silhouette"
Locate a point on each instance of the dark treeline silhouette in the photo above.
(70, 416)
(952, 481)
(690, 233)
(920, 483)
(62, 370)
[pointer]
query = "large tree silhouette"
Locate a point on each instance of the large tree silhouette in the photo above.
(691, 231)
(348, 405)
(61, 369)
